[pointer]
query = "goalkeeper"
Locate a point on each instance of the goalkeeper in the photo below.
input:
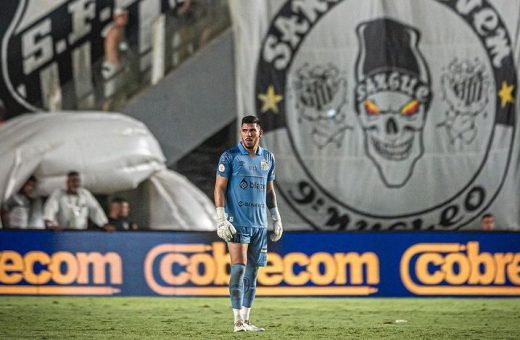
(244, 191)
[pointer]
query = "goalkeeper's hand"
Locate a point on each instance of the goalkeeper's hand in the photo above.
(225, 229)
(277, 224)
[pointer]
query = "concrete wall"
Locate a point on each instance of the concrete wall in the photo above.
(191, 103)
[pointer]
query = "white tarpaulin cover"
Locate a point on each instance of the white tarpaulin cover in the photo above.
(112, 152)
(385, 114)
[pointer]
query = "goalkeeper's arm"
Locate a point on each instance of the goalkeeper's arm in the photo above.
(225, 229)
(275, 214)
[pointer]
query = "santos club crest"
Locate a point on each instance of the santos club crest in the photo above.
(393, 120)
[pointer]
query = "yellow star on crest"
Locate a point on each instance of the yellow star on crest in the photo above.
(506, 94)
(270, 100)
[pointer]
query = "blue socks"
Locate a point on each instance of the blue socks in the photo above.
(236, 285)
(249, 286)
(242, 285)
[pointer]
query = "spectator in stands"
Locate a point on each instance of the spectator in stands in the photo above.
(208, 18)
(113, 68)
(180, 26)
(23, 210)
(487, 223)
(119, 215)
(71, 208)
(191, 27)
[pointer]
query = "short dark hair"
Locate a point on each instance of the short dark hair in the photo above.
(118, 200)
(487, 215)
(72, 173)
(251, 120)
(32, 179)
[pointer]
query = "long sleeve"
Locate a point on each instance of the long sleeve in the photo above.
(51, 207)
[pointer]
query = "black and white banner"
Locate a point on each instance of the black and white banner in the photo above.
(51, 50)
(383, 114)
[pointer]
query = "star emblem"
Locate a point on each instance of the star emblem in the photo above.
(270, 100)
(506, 94)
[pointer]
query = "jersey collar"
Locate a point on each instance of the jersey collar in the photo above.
(244, 151)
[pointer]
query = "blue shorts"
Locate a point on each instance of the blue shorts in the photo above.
(257, 240)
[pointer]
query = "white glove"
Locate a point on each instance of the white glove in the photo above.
(225, 229)
(277, 224)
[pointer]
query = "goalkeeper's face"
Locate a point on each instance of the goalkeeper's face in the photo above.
(250, 135)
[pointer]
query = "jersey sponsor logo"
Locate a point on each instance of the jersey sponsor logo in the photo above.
(251, 184)
(60, 273)
(392, 111)
(246, 204)
(244, 184)
(459, 269)
(202, 269)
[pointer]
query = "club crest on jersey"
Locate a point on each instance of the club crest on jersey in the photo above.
(264, 165)
(384, 112)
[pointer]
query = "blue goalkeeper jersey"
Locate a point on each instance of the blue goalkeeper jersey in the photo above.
(247, 183)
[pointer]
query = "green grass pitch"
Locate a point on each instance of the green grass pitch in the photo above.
(283, 318)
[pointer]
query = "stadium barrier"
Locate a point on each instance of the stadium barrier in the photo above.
(302, 264)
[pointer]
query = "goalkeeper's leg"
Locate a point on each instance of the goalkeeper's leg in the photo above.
(249, 290)
(256, 257)
(238, 252)
(249, 296)
(236, 288)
